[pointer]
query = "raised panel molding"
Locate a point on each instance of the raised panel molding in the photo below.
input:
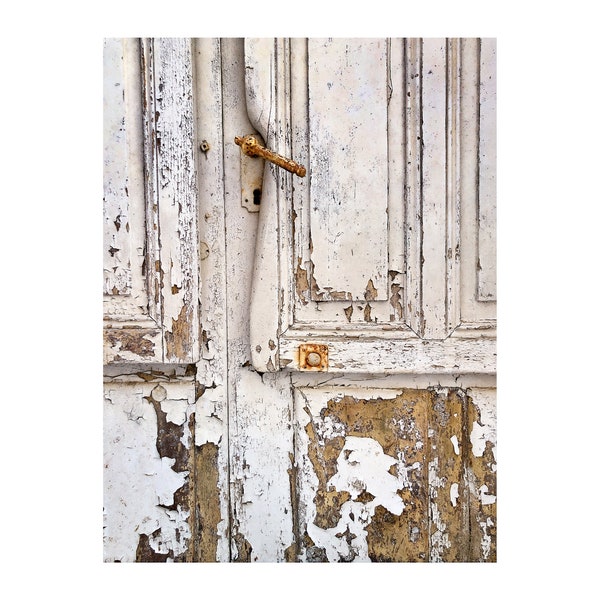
(486, 266)
(154, 318)
(432, 190)
(430, 318)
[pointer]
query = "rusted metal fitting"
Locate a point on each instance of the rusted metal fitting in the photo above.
(313, 357)
(251, 147)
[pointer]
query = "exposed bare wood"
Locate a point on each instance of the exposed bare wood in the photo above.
(272, 394)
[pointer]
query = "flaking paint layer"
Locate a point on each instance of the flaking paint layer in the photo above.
(391, 476)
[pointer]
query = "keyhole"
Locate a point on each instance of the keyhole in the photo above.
(257, 194)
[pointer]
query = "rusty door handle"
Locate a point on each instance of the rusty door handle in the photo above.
(251, 147)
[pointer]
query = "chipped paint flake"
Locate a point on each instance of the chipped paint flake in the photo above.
(454, 494)
(485, 497)
(454, 441)
(363, 466)
(143, 486)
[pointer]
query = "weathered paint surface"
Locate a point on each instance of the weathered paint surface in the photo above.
(235, 452)
(347, 83)
(422, 313)
(147, 461)
(151, 308)
(388, 475)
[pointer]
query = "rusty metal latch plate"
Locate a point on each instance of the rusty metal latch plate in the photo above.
(313, 357)
(252, 180)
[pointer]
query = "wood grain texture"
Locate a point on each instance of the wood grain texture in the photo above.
(347, 98)
(486, 267)
(165, 283)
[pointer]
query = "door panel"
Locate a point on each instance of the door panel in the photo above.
(347, 122)
(150, 190)
(422, 207)
(382, 257)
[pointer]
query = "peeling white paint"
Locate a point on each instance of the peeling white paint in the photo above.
(209, 426)
(486, 538)
(327, 428)
(454, 493)
(439, 536)
(363, 466)
(484, 431)
(167, 481)
(454, 441)
(485, 497)
(260, 462)
(175, 410)
(250, 418)
(174, 533)
(138, 483)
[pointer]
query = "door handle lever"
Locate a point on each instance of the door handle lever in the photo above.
(251, 147)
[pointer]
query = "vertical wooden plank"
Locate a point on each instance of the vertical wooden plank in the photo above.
(178, 194)
(261, 454)
(348, 167)
(117, 238)
(362, 489)
(259, 407)
(413, 190)
(397, 162)
(452, 239)
(448, 493)
(265, 66)
(433, 176)
(486, 268)
(300, 219)
(152, 266)
(472, 309)
(481, 474)
(148, 457)
(212, 427)
(172, 193)
(433, 90)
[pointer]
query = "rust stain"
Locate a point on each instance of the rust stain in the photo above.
(313, 357)
(250, 146)
(129, 340)
(208, 515)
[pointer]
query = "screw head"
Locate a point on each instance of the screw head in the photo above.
(313, 359)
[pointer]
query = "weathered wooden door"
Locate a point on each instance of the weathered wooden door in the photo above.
(300, 368)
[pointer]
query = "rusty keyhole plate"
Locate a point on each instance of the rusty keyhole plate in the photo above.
(313, 357)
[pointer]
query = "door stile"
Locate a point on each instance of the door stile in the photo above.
(212, 407)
